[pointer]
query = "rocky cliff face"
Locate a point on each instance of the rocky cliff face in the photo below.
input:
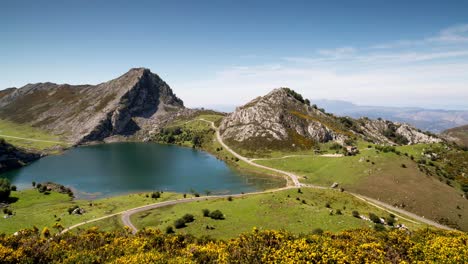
(12, 158)
(128, 105)
(283, 119)
(279, 119)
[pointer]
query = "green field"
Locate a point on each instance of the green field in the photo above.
(389, 177)
(37, 209)
(277, 210)
(9, 129)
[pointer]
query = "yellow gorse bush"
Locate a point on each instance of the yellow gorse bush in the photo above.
(152, 246)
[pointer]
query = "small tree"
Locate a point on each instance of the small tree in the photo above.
(169, 230)
(317, 231)
(188, 218)
(374, 218)
(5, 189)
(217, 215)
(356, 214)
(206, 212)
(45, 232)
(34, 184)
(179, 223)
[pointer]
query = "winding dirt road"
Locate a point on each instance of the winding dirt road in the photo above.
(125, 215)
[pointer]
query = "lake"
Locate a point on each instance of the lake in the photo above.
(118, 168)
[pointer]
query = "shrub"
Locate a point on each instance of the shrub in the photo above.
(13, 188)
(179, 223)
(390, 221)
(374, 218)
(229, 198)
(34, 184)
(379, 227)
(317, 231)
(156, 195)
(356, 214)
(206, 212)
(196, 194)
(188, 218)
(217, 215)
(45, 232)
(169, 230)
(71, 209)
(403, 165)
(338, 212)
(327, 205)
(5, 189)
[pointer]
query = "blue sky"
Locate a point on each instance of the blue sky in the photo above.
(393, 53)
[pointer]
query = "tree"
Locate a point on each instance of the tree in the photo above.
(169, 230)
(356, 214)
(5, 189)
(217, 215)
(206, 212)
(374, 218)
(188, 218)
(179, 223)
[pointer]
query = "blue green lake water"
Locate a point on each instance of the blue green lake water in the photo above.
(111, 169)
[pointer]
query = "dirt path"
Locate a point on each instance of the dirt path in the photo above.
(36, 140)
(296, 184)
(298, 156)
(127, 213)
(291, 176)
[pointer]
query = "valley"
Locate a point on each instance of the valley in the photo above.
(274, 140)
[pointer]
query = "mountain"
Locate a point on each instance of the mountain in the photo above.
(425, 119)
(131, 104)
(458, 135)
(12, 157)
(283, 119)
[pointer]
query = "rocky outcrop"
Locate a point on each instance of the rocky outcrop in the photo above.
(283, 119)
(279, 119)
(12, 157)
(125, 106)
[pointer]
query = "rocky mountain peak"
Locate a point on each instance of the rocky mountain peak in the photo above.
(122, 106)
(284, 119)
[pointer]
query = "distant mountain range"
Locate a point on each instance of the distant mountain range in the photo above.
(433, 120)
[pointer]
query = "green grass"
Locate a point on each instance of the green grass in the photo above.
(265, 211)
(8, 128)
(36, 209)
(384, 178)
(325, 171)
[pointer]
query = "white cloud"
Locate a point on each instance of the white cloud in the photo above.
(364, 75)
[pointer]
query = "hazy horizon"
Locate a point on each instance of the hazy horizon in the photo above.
(375, 53)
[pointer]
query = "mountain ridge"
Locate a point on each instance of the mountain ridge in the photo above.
(83, 113)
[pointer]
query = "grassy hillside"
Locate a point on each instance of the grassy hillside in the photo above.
(387, 176)
(459, 133)
(37, 209)
(289, 210)
(28, 137)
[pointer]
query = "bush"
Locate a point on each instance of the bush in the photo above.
(217, 215)
(338, 212)
(317, 231)
(403, 165)
(7, 211)
(390, 221)
(374, 218)
(327, 205)
(188, 218)
(179, 223)
(5, 189)
(379, 227)
(206, 212)
(71, 209)
(169, 230)
(156, 195)
(13, 188)
(229, 198)
(356, 214)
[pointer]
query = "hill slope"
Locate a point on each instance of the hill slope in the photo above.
(81, 113)
(12, 157)
(282, 119)
(458, 134)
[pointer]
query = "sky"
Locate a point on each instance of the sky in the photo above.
(224, 53)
